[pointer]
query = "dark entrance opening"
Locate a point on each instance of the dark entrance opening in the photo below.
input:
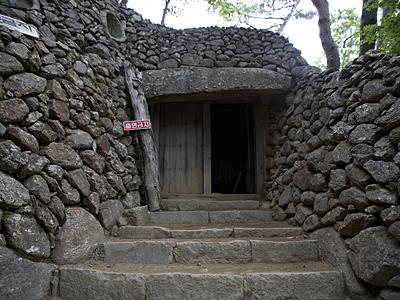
(232, 148)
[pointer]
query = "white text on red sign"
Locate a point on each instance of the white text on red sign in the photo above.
(136, 125)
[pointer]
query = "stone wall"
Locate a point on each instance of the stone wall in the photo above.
(334, 156)
(65, 163)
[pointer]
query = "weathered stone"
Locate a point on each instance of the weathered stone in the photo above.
(394, 230)
(34, 165)
(131, 200)
(23, 279)
(93, 160)
(190, 59)
(322, 286)
(362, 153)
(367, 113)
(308, 198)
(197, 79)
(24, 234)
(25, 84)
(389, 294)
(353, 196)
(321, 203)
(375, 256)
(73, 244)
(43, 132)
(364, 133)
(63, 155)
(137, 215)
(9, 65)
(286, 196)
(390, 215)
(391, 118)
(79, 139)
(334, 251)
(68, 195)
(384, 149)
(13, 110)
(373, 91)
(55, 171)
(18, 50)
(57, 208)
(110, 212)
(318, 183)
(79, 283)
(38, 187)
(46, 218)
(59, 110)
(194, 286)
(13, 194)
(379, 195)
(302, 212)
(77, 178)
(116, 182)
(92, 203)
(23, 139)
(354, 223)
(302, 179)
(53, 70)
(395, 281)
(358, 176)
(3, 130)
(311, 223)
(335, 215)
(382, 171)
(338, 180)
(342, 153)
(103, 145)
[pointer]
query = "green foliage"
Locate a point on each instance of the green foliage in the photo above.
(345, 25)
(346, 34)
(387, 32)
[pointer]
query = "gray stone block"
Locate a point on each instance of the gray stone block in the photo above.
(266, 232)
(208, 205)
(242, 216)
(138, 252)
(284, 252)
(179, 217)
(202, 233)
(194, 287)
(212, 252)
(300, 286)
(143, 232)
(91, 284)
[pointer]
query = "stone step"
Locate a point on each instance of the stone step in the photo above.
(311, 281)
(215, 196)
(218, 251)
(208, 205)
(213, 217)
(199, 232)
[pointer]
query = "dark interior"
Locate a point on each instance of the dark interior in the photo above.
(232, 148)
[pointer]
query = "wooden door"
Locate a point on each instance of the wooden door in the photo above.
(180, 139)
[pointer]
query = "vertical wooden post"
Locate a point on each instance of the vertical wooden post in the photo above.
(133, 80)
(206, 148)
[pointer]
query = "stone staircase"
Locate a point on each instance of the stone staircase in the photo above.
(205, 249)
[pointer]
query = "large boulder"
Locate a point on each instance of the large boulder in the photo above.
(23, 279)
(78, 237)
(12, 193)
(24, 234)
(25, 84)
(334, 251)
(63, 155)
(375, 256)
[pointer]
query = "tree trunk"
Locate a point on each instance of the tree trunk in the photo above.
(288, 17)
(328, 44)
(149, 152)
(368, 17)
(165, 11)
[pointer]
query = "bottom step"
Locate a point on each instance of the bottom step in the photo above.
(312, 281)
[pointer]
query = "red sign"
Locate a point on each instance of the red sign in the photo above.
(136, 125)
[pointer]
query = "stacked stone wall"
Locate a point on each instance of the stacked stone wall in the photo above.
(65, 163)
(334, 156)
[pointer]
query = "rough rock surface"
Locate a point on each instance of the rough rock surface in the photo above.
(23, 279)
(375, 256)
(73, 244)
